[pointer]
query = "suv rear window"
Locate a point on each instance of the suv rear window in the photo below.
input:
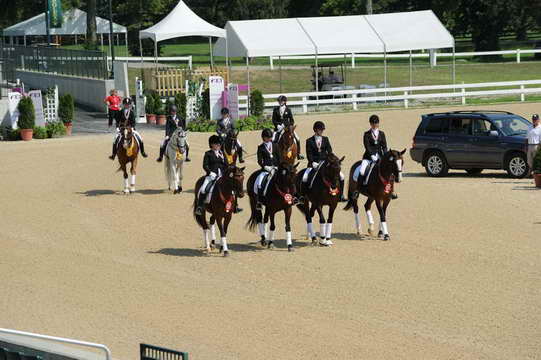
(437, 126)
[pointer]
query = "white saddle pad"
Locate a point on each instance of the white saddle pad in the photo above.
(259, 181)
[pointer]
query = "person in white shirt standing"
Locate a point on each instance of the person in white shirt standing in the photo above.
(534, 139)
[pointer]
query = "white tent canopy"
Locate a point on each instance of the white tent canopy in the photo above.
(380, 33)
(181, 21)
(74, 24)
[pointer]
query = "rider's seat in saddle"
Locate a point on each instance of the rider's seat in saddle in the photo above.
(310, 174)
(358, 177)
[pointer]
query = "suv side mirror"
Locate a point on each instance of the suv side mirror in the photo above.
(493, 133)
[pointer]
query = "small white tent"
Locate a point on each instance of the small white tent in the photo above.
(180, 22)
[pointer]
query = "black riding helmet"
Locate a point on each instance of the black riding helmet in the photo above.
(225, 111)
(535, 117)
(374, 119)
(319, 125)
(173, 108)
(266, 133)
(126, 101)
(282, 98)
(214, 140)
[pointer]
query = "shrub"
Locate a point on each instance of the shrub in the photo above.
(159, 105)
(536, 167)
(150, 107)
(13, 134)
(27, 116)
(40, 132)
(55, 129)
(204, 106)
(250, 123)
(66, 108)
(202, 126)
(180, 102)
(257, 103)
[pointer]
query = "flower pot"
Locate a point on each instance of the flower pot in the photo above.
(151, 119)
(161, 119)
(68, 128)
(537, 178)
(26, 134)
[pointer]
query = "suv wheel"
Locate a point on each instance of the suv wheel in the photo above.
(436, 165)
(517, 166)
(474, 171)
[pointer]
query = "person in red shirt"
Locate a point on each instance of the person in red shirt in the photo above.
(113, 104)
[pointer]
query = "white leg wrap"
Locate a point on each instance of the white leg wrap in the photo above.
(224, 244)
(358, 221)
(322, 230)
(206, 243)
(213, 232)
(369, 217)
(262, 229)
(384, 228)
(133, 180)
(288, 238)
(329, 231)
(126, 184)
(310, 230)
(271, 235)
(380, 226)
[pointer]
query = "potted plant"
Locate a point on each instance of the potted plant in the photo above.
(160, 111)
(27, 118)
(150, 108)
(536, 168)
(66, 110)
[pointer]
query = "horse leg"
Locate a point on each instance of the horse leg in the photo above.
(126, 181)
(328, 233)
(133, 172)
(212, 232)
(382, 223)
(270, 243)
(227, 220)
(384, 228)
(322, 226)
(369, 217)
(262, 225)
(179, 176)
(223, 246)
(289, 242)
(356, 214)
(202, 220)
(310, 225)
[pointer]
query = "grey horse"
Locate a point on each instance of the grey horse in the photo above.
(174, 160)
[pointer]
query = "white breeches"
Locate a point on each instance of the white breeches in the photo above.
(309, 170)
(259, 182)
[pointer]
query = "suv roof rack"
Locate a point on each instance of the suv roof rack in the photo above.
(472, 112)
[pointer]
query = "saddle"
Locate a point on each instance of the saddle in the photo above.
(311, 176)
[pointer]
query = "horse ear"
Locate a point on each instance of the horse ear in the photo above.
(403, 152)
(342, 159)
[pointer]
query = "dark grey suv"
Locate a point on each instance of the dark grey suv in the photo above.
(472, 141)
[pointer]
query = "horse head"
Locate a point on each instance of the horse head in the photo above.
(127, 136)
(179, 139)
(234, 176)
(286, 174)
(287, 144)
(393, 163)
(331, 169)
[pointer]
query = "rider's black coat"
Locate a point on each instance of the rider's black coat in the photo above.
(214, 163)
(317, 155)
(123, 120)
(171, 125)
(286, 119)
(374, 146)
(264, 157)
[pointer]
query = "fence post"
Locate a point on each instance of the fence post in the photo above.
(354, 96)
(522, 96)
(304, 105)
(353, 61)
(518, 56)
(463, 96)
(406, 99)
(190, 62)
(271, 62)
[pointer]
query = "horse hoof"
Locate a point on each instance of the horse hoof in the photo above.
(380, 234)
(290, 248)
(386, 237)
(221, 249)
(314, 241)
(263, 241)
(213, 244)
(270, 245)
(126, 191)
(226, 253)
(179, 189)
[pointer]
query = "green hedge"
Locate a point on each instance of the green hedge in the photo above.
(40, 132)
(250, 123)
(66, 108)
(27, 115)
(257, 103)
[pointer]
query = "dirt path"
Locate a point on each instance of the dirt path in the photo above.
(460, 278)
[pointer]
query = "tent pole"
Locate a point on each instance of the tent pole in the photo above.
(156, 54)
(411, 70)
(24, 40)
(454, 65)
(249, 89)
(211, 55)
(141, 51)
(127, 49)
(345, 69)
(280, 60)
(317, 82)
(76, 36)
(385, 72)
(227, 59)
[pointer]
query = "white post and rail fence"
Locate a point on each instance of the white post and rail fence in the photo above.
(356, 98)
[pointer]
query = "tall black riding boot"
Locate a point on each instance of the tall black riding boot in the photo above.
(142, 145)
(113, 154)
(299, 156)
(187, 153)
(200, 209)
(259, 205)
(162, 151)
(240, 152)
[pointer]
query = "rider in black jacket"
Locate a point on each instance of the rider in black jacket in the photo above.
(126, 118)
(282, 117)
(173, 122)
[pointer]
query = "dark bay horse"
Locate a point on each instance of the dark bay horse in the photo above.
(280, 197)
(378, 189)
(221, 206)
(230, 147)
(288, 146)
(325, 191)
(128, 152)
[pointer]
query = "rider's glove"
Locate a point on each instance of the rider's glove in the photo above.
(315, 164)
(374, 158)
(280, 127)
(167, 138)
(268, 169)
(213, 175)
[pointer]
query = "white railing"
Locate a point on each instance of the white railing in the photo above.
(101, 347)
(152, 59)
(353, 57)
(404, 94)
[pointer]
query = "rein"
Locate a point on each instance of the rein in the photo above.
(328, 184)
(288, 198)
(388, 184)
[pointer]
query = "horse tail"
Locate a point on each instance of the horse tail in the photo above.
(252, 221)
(352, 198)
(298, 184)
(197, 218)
